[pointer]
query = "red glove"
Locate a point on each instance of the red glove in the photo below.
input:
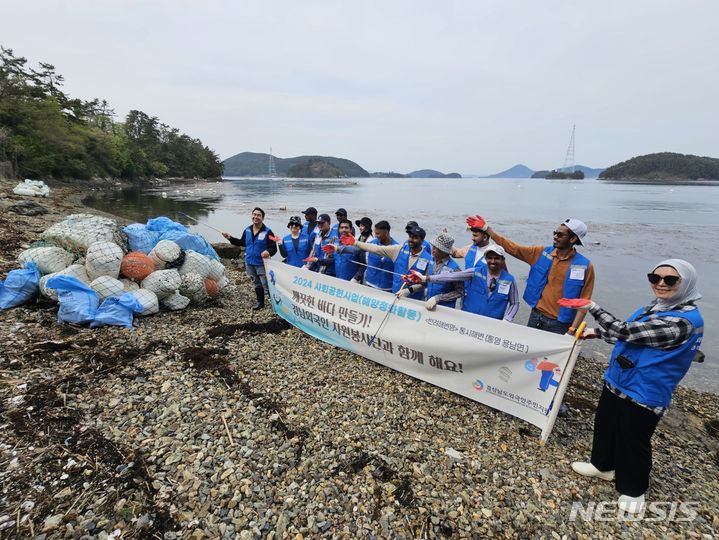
(575, 303)
(347, 240)
(477, 222)
(329, 248)
(309, 259)
(414, 277)
(273, 238)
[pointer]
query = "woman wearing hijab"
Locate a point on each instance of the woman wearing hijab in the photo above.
(654, 349)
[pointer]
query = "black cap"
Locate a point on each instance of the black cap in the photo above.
(324, 218)
(311, 210)
(367, 222)
(341, 211)
(416, 231)
(295, 220)
(410, 224)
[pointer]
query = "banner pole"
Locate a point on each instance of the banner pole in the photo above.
(563, 383)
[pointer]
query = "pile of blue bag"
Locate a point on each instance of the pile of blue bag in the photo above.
(143, 238)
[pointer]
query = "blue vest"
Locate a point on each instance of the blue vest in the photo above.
(471, 254)
(295, 257)
(376, 278)
(537, 280)
(310, 234)
(321, 255)
(255, 247)
(401, 266)
(656, 372)
(426, 247)
(433, 289)
(478, 299)
(345, 265)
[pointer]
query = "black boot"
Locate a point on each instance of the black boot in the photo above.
(260, 294)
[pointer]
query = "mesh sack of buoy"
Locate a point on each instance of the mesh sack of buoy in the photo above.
(47, 259)
(148, 300)
(74, 270)
(195, 263)
(78, 231)
(166, 251)
(140, 239)
(212, 288)
(217, 270)
(223, 283)
(107, 286)
(175, 302)
(162, 282)
(103, 259)
(137, 266)
(129, 285)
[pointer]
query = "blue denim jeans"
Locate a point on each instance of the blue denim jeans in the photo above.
(257, 275)
(541, 321)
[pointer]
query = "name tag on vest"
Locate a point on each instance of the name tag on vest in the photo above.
(577, 272)
(503, 286)
(261, 236)
(422, 265)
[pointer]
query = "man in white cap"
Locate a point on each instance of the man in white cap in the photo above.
(557, 271)
(442, 293)
(491, 291)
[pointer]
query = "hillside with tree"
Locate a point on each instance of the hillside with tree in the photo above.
(315, 168)
(44, 133)
(257, 164)
(664, 166)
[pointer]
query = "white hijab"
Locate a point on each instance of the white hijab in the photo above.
(687, 291)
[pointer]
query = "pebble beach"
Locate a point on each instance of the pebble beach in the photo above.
(221, 422)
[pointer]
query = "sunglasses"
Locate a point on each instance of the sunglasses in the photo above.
(669, 281)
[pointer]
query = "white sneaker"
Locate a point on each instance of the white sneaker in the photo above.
(631, 505)
(587, 469)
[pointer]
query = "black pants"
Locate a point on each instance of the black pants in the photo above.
(622, 442)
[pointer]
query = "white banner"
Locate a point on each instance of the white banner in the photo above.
(512, 368)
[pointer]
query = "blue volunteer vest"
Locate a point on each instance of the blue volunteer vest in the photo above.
(656, 372)
(479, 300)
(471, 254)
(539, 273)
(401, 266)
(321, 255)
(433, 289)
(376, 278)
(295, 257)
(310, 234)
(255, 246)
(345, 265)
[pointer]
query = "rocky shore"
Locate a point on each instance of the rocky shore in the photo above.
(219, 422)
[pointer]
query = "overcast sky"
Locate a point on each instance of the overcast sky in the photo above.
(467, 86)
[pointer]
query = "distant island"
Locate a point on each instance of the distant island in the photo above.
(388, 175)
(431, 173)
(257, 164)
(315, 168)
(664, 166)
(563, 175)
(522, 171)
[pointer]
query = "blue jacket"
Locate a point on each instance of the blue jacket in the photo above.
(433, 289)
(310, 233)
(656, 372)
(478, 299)
(401, 266)
(539, 273)
(295, 257)
(328, 261)
(255, 245)
(377, 278)
(471, 254)
(345, 264)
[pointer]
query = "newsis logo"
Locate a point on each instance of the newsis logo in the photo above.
(478, 385)
(654, 511)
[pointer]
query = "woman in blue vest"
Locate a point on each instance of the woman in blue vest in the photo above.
(257, 246)
(654, 349)
(295, 247)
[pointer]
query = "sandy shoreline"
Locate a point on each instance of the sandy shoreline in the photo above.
(221, 422)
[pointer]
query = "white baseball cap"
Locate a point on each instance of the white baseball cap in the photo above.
(499, 250)
(577, 227)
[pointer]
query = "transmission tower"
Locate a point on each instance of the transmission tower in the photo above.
(272, 171)
(569, 159)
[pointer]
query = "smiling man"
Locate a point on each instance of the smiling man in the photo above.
(557, 271)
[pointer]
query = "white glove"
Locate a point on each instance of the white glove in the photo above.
(430, 304)
(403, 292)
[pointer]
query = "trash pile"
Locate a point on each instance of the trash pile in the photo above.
(101, 274)
(32, 188)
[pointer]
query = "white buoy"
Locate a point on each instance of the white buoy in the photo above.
(164, 195)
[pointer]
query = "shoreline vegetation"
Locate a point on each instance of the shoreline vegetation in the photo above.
(223, 422)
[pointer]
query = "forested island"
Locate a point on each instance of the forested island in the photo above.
(664, 166)
(44, 133)
(315, 168)
(257, 164)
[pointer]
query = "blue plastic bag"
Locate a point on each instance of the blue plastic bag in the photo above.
(140, 238)
(192, 241)
(78, 302)
(20, 286)
(117, 311)
(163, 224)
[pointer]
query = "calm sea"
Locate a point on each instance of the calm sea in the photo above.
(632, 226)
